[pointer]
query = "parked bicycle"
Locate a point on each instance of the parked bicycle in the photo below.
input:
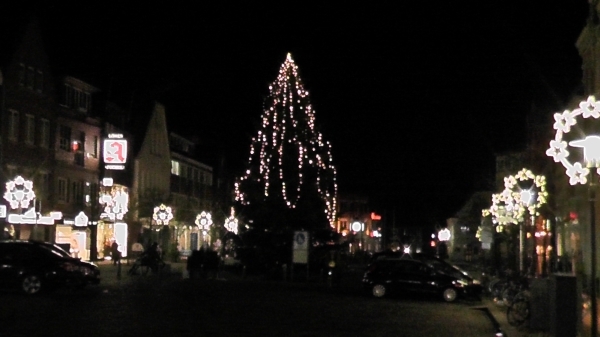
(149, 261)
(518, 311)
(144, 264)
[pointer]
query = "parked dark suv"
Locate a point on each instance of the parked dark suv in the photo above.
(390, 276)
(33, 267)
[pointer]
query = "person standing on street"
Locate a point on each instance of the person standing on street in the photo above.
(115, 253)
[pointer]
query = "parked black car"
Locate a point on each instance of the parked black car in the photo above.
(390, 276)
(33, 267)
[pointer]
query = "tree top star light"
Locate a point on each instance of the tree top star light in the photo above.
(563, 122)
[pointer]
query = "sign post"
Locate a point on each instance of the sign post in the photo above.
(300, 250)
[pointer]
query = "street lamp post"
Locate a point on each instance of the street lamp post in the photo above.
(504, 211)
(587, 138)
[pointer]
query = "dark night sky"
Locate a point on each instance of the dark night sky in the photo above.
(415, 96)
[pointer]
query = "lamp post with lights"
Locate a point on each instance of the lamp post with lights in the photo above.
(358, 227)
(504, 211)
(162, 216)
(231, 223)
(529, 192)
(204, 221)
(587, 139)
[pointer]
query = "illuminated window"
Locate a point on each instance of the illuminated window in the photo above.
(29, 129)
(13, 125)
(175, 168)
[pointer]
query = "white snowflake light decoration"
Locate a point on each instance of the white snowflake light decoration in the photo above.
(558, 150)
(504, 210)
(204, 221)
(162, 215)
(531, 199)
(231, 223)
(19, 193)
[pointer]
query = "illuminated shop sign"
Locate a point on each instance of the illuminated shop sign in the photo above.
(115, 152)
(81, 220)
(33, 218)
(116, 203)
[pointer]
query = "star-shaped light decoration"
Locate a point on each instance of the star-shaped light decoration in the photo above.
(577, 172)
(162, 215)
(19, 192)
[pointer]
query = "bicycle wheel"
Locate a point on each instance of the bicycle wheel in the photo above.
(144, 269)
(134, 268)
(518, 312)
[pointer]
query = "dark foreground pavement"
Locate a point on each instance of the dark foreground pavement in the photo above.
(229, 305)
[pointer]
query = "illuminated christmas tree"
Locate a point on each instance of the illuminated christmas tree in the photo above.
(290, 165)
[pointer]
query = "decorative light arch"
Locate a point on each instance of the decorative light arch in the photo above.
(563, 122)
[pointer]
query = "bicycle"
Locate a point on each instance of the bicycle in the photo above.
(144, 264)
(518, 311)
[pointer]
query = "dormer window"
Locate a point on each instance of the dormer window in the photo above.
(76, 98)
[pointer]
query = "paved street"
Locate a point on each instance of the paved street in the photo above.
(171, 305)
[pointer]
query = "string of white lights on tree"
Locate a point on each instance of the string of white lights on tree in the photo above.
(288, 150)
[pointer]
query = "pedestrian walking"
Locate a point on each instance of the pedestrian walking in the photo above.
(115, 253)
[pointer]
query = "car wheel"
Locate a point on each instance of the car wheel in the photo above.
(31, 284)
(450, 295)
(379, 290)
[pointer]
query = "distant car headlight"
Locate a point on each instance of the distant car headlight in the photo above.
(476, 281)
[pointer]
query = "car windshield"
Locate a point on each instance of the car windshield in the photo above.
(444, 267)
(56, 250)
